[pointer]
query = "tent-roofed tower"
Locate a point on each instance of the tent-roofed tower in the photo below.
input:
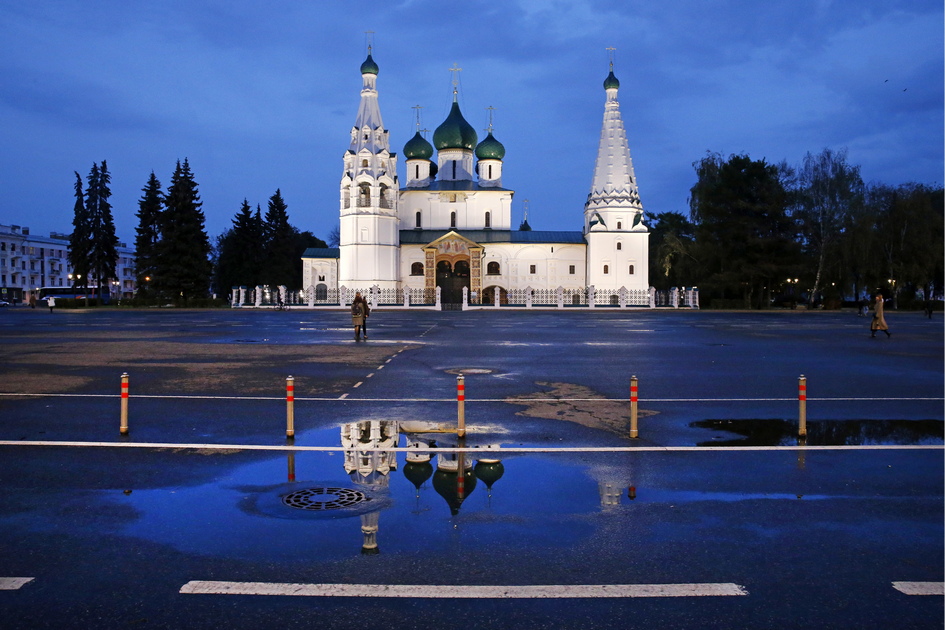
(369, 231)
(617, 239)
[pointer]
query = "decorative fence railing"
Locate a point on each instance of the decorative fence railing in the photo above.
(320, 295)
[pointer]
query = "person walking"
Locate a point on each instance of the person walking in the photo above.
(879, 321)
(367, 313)
(51, 301)
(357, 315)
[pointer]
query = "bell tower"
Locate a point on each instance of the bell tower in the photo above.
(369, 230)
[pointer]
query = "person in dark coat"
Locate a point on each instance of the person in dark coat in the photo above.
(357, 315)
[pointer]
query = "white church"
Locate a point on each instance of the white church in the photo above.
(443, 234)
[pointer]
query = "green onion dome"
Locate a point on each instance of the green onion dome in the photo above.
(369, 66)
(455, 132)
(417, 148)
(490, 149)
(611, 82)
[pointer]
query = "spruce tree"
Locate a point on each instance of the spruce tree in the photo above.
(183, 267)
(103, 251)
(280, 238)
(239, 250)
(147, 234)
(79, 240)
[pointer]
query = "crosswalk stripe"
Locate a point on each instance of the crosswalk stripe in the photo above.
(559, 591)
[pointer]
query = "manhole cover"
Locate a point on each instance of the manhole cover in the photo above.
(320, 499)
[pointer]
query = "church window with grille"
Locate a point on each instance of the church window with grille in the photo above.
(488, 219)
(493, 269)
(416, 269)
(631, 270)
(606, 269)
(419, 224)
(452, 219)
(619, 246)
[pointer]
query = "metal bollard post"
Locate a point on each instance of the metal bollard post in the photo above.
(123, 428)
(290, 407)
(633, 407)
(461, 406)
(802, 406)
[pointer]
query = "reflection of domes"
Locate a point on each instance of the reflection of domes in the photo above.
(490, 149)
(444, 482)
(417, 148)
(418, 472)
(489, 471)
(455, 132)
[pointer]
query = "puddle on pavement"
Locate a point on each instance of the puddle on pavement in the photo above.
(778, 432)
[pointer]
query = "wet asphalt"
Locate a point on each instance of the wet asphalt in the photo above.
(815, 536)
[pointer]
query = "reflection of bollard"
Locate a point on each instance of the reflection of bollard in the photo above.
(291, 459)
(123, 428)
(290, 407)
(461, 406)
(633, 407)
(802, 406)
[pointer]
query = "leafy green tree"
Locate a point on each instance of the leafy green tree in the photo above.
(103, 250)
(148, 233)
(672, 238)
(743, 233)
(80, 241)
(828, 191)
(183, 266)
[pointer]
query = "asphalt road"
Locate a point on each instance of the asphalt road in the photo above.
(715, 517)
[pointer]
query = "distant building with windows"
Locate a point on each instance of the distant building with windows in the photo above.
(30, 262)
(448, 228)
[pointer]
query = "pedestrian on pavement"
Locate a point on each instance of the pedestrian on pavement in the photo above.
(51, 301)
(357, 315)
(367, 313)
(32, 301)
(927, 307)
(879, 321)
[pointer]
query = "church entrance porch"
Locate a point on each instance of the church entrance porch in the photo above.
(452, 278)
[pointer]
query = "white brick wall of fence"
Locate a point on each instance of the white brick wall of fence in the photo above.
(312, 297)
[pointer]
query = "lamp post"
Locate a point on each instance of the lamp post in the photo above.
(793, 284)
(892, 291)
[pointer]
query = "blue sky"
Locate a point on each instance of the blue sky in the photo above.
(262, 95)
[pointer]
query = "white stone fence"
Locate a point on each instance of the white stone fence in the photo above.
(313, 297)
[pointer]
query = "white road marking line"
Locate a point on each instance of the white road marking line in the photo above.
(474, 449)
(12, 583)
(920, 588)
(358, 384)
(464, 592)
(343, 396)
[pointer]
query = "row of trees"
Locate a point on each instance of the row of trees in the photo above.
(93, 245)
(760, 232)
(174, 258)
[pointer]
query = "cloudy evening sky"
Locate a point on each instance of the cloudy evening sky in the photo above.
(262, 95)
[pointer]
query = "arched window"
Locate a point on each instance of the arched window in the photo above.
(364, 163)
(631, 270)
(321, 291)
(419, 224)
(490, 171)
(452, 219)
(488, 219)
(606, 269)
(493, 269)
(619, 246)
(454, 169)
(416, 269)
(416, 172)
(619, 225)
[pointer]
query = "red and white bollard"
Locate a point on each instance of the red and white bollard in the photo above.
(633, 406)
(802, 406)
(290, 407)
(461, 406)
(123, 428)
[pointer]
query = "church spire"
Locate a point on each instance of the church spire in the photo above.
(614, 185)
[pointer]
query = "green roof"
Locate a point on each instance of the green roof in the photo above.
(369, 66)
(611, 82)
(418, 148)
(490, 149)
(455, 132)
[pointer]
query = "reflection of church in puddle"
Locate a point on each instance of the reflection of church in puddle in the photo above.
(370, 464)
(370, 459)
